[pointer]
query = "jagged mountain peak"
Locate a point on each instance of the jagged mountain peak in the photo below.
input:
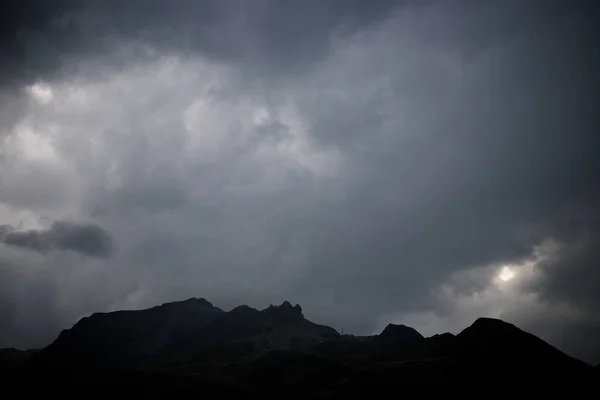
(445, 335)
(285, 310)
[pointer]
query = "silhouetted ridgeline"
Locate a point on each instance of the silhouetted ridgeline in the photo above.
(194, 345)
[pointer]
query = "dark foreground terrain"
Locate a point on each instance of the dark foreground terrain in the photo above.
(193, 348)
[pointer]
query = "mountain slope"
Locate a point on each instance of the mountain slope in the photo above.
(497, 344)
(179, 332)
(246, 332)
(128, 338)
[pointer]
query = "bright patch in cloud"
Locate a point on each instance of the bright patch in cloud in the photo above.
(492, 291)
(41, 93)
(506, 274)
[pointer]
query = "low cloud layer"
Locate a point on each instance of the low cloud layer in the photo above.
(370, 160)
(87, 239)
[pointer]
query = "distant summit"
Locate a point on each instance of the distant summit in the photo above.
(399, 333)
(489, 339)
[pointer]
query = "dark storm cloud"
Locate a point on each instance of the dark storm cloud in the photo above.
(39, 40)
(487, 152)
(87, 239)
(19, 17)
(574, 274)
(266, 38)
(454, 135)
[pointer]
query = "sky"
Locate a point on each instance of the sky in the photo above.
(416, 162)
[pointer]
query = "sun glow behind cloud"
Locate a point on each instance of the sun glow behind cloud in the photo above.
(491, 291)
(506, 274)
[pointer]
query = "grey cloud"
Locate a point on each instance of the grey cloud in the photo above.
(87, 239)
(39, 39)
(266, 38)
(573, 275)
(460, 159)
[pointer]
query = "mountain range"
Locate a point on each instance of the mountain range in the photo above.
(277, 352)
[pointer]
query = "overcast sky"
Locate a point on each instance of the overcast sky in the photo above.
(416, 162)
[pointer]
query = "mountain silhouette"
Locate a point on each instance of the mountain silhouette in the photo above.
(128, 338)
(190, 329)
(504, 343)
(193, 345)
(399, 333)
